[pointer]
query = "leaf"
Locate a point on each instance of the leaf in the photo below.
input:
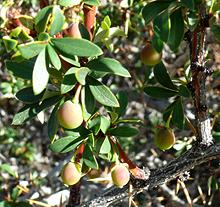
(161, 75)
(158, 92)
(71, 60)
(57, 20)
(79, 47)
(108, 65)
(81, 74)
(27, 96)
(65, 144)
(152, 9)
(123, 131)
(42, 19)
(189, 3)
(178, 114)
(157, 43)
(53, 124)
(92, 2)
(69, 3)
(162, 25)
(215, 29)
(184, 91)
(22, 69)
(7, 168)
(31, 110)
(29, 50)
(54, 58)
(176, 30)
(123, 102)
(40, 74)
(105, 124)
(89, 159)
(193, 20)
(27, 21)
(102, 93)
(69, 81)
(106, 146)
(95, 125)
(10, 44)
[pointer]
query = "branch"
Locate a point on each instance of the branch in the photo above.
(177, 167)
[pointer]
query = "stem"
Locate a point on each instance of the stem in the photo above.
(76, 97)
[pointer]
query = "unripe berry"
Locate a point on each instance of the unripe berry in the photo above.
(149, 56)
(70, 115)
(120, 175)
(164, 138)
(71, 173)
(73, 31)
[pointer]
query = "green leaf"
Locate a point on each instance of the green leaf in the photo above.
(69, 3)
(65, 144)
(69, 81)
(27, 96)
(189, 3)
(42, 19)
(184, 91)
(153, 9)
(88, 103)
(27, 21)
(193, 20)
(92, 2)
(53, 124)
(178, 114)
(95, 125)
(157, 43)
(54, 58)
(40, 74)
(123, 131)
(57, 20)
(105, 124)
(79, 47)
(106, 146)
(176, 30)
(29, 50)
(89, 159)
(10, 44)
(102, 93)
(158, 92)
(71, 60)
(31, 110)
(123, 102)
(162, 76)
(162, 25)
(108, 65)
(22, 69)
(81, 74)
(7, 168)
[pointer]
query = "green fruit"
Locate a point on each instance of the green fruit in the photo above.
(71, 173)
(120, 175)
(149, 56)
(70, 115)
(164, 138)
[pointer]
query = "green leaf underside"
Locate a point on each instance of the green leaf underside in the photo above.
(102, 93)
(40, 74)
(21, 69)
(69, 81)
(54, 58)
(124, 131)
(26, 95)
(177, 29)
(106, 146)
(108, 65)
(159, 92)
(29, 111)
(89, 158)
(152, 9)
(29, 50)
(65, 144)
(105, 124)
(163, 77)
(81, 74)
(79, 47)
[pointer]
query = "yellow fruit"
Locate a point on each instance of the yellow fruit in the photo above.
(164, 138)
(70, 115)
(149, 56)
(71, 173)
(120, 175)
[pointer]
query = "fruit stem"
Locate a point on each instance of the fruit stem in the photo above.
(76, 97)
(78, 153)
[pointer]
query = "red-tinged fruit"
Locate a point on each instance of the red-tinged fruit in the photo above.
(71, 173)
(120, 175)
(70, 115)
(164, 138)
(149, 56)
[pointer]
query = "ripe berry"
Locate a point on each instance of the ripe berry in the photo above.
(70, 115)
